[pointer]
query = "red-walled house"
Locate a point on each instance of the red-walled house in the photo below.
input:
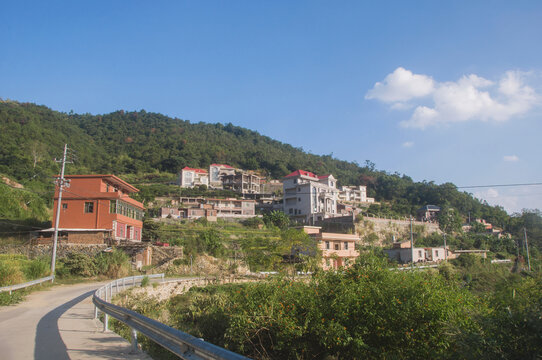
(95, 204)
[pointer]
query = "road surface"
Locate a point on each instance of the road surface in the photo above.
(59, 324)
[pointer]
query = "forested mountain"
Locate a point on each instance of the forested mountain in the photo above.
(141, 142)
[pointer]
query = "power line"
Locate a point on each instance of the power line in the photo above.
(498, 185)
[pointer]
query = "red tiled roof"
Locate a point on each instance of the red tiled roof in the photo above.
(222, 165)
(324, 176)
(302, 173)
(200, 171)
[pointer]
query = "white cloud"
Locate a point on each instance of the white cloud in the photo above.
(401, 86)
(470, 98)
(408, 144)
(510, 158)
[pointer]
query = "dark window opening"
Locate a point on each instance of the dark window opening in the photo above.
(89, 207)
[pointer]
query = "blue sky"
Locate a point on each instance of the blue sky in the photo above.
(444, 91)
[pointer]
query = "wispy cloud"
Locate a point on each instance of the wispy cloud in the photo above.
(512, 199)
(470, 98)
(408, 144)
(510, 158)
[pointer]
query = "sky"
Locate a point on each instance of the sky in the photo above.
(443, 91)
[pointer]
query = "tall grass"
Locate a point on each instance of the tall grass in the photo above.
(16, 269)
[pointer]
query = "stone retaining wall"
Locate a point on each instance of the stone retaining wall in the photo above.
(33, 251)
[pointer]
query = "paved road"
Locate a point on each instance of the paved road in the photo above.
(58, 324)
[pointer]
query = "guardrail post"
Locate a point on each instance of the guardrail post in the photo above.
(106, 316)
(106, 322)
(124, 284)
(133, 280)
(162, 277)
(135, 349)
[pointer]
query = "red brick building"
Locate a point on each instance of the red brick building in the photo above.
(100, 204)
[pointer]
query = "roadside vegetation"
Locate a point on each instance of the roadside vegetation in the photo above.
(366, 311)
(17, 269)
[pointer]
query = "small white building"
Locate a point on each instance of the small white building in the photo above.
(190, 177)
(355, 194)
(309, 198)
(402, 253)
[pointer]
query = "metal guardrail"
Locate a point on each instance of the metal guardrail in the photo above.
(180, 343)
(10, 288)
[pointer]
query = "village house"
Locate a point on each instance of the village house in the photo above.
(194, 208)
(309, 198)
(242, 181)
(401, 252)
(216, 172)
(173, 213)
(97, 208)
(338, 250)
(428, 213)
(355, 194)
(189, 177)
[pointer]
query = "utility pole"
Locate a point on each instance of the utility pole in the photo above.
(527, 245)
(445, 249)
(61, 183)
(411, 245)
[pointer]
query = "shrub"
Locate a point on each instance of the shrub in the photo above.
(114, 264)
(365, 312)
(254, 222)
(145, 281)
(77, 264)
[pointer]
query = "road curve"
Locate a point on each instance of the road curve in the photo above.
(59, 324)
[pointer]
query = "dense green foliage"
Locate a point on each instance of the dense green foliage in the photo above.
(114, 264)
(366, 311)
(18, 204)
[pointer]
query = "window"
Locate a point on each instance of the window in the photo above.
(106, 187)
(290, 211)
(89, 207)
(337, 247)
(419, 253)
(298, 199)
(436, 253)
(113, 207)
(64, 206)
(327, 245)
(346, 245)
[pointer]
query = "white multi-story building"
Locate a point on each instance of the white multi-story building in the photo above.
(355, 194)
(190, 177)
(216, 173)
(309, 198)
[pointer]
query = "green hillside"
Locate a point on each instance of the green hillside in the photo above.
(146, 145)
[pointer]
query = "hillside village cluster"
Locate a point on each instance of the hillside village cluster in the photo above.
(98, 209)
